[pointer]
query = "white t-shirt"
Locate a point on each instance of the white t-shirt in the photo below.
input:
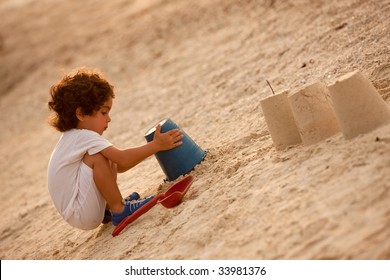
(70, 180)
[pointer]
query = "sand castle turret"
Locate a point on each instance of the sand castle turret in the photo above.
(313, 113)
(280, 121)
(359, 107)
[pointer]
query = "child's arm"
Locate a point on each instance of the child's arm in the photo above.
(126, 159)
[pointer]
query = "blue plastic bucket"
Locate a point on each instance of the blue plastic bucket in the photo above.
(180, 160)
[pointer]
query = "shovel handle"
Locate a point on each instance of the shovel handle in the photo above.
(138, 213)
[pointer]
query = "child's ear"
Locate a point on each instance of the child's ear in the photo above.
(79, 114)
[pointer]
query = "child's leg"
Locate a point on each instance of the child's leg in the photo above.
(105, 175)
(115, 172)
(114, 169)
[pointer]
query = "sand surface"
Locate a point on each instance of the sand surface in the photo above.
(203, 64)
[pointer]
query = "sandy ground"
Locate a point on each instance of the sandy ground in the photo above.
(203, 64)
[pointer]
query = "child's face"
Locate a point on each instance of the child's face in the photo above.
(97, 122)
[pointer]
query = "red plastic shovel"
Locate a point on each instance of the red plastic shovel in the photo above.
(172, 197)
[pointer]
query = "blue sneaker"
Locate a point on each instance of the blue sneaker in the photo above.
(133, 196)
(130, 208)
(107, 214)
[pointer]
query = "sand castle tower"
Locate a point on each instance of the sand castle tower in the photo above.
(359, 107)
(280, 121)
(313, 113)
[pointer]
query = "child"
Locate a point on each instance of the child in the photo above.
(83, 167)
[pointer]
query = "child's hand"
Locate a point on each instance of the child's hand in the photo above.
(168, 140)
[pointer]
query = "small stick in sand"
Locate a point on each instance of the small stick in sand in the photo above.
(273, 93)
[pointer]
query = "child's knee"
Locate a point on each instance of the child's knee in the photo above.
(96, 159)
(100, 160)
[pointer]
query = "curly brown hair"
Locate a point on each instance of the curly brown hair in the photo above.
(86, 89)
